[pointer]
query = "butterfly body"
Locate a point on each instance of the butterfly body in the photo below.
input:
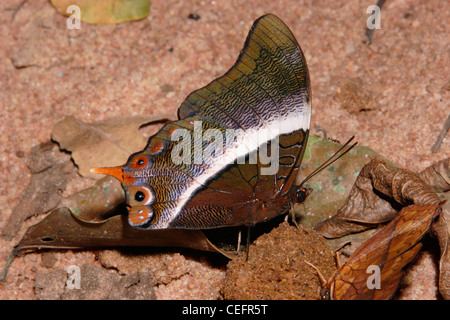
(232, 157)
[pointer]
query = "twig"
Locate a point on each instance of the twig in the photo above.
(440, 138)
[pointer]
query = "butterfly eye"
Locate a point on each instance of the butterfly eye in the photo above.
(302, 194)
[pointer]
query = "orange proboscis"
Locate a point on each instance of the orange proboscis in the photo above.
(116, 172)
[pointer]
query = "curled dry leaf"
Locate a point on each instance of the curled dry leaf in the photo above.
(437, 176)
(365, 208)
(442, 230)
(379, 189)
(374, 270)
(102, 144)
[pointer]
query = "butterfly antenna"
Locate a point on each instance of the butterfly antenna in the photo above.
(332, 159)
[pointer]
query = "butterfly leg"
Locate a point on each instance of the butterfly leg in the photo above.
(247, 249)
(291, 215)
(238, 247)
(323, 282)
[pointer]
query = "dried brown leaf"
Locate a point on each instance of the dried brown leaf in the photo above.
(102, 144)
(50, 171)
(365, 207)
(437, 176)
(60, 229)
(385, 255)
(442, 230)
(369, 205)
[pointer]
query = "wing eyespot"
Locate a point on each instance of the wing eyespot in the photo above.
(140, 196)
(138, 162)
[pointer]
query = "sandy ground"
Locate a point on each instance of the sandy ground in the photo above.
(393, 95)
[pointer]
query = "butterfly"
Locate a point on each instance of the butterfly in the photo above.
(232, 156)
